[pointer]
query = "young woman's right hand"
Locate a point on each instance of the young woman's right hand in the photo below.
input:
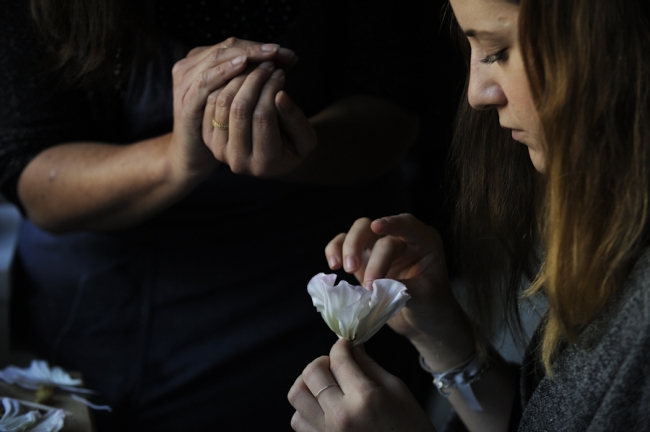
(195, 77)
(403, 248)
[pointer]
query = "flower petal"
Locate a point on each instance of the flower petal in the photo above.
(342, 305)
(388, 297)
(353, 312)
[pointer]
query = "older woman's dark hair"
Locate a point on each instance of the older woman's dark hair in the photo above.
(89, 39)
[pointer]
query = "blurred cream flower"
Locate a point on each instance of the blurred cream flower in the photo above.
(17, 418)
(353, 312)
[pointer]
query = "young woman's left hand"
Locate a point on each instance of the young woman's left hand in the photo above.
(364, 398)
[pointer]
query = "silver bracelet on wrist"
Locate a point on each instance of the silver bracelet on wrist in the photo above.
(461, 377)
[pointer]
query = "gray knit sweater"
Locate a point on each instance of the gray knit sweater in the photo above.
(602, 382)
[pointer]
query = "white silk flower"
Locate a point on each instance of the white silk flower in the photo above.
(353, 312)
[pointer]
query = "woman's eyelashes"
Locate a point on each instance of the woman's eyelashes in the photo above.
(500, 56)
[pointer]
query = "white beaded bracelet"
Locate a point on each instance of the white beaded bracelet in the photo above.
(460, 377)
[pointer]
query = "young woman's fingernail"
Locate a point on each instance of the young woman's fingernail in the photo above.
(278, 74)
(267, 65)
(350, 263)
(270, 47)
(238, 60)
(332, 261)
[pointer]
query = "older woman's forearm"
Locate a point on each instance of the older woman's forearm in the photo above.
(98, 186)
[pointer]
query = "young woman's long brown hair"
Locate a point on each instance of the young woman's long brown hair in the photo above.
(589, 67)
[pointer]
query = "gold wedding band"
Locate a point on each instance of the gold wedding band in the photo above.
(222, 126)
(321, 390)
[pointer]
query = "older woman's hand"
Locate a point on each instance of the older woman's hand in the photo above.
(266, 135)
(356, 394)
(199, 74)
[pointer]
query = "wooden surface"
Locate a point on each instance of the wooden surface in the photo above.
(77, 418)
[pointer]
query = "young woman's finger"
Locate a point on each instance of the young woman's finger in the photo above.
(334, 251)
(347, 373)
(359, 238)
(300, 424)
(304, 402)
(385, 252)
(404, 226)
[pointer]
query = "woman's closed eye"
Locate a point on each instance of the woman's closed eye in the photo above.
(500, 56)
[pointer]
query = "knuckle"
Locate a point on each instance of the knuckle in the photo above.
(230, 42)
(212, 97)
(222, 69)
(295, 421)
(249, 50)
(395, 384)
(203, 79)
(292, 396)
(178, 67)
(239, 109)
(195, 51)
(313, 367)
(263, 118)
(237, 167)
(216, 55)
(260, 166)
(336, 365)
(225, 97)
(218, 152)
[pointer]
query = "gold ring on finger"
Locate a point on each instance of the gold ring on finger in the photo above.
(222, 126)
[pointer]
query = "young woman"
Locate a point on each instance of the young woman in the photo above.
(570, 80)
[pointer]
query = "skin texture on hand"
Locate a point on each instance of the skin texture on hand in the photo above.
(403, 248)
(366, 399)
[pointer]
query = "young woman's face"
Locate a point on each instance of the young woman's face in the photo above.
(497, 75)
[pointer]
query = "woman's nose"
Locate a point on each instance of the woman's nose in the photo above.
(483, 91)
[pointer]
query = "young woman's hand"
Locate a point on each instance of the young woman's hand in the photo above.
(199, 74)
(365, 398)
(267, 135)
(403, 248)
